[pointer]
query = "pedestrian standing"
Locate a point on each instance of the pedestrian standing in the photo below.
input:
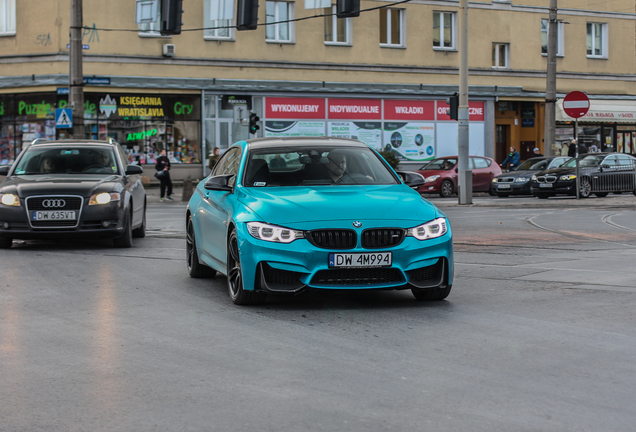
(572, 149)
(163, 164)
(214, 158)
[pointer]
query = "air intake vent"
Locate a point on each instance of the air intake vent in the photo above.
(382, 238)
(333, 239)
(168, 50)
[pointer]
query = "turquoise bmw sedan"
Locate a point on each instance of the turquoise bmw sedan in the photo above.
(280, 215)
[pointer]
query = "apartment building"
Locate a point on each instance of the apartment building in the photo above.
(382, 77)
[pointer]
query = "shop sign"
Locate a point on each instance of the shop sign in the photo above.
(32, 109)
(609, 115)
(90, 108)
(527, 122)
(413, 141)
(1, 108)
(292, 108)
(353, 109)
(228, 102)
(409, 110)
(475, 111)
(136, 136)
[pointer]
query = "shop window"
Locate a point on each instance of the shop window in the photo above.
(218, 20)
(337, 30)
(545, 24)
(444, 30)
(596, 40)
(279, 29)
(392, 28)
(7, 17)
(500, 56)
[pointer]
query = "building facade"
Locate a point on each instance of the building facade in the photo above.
(382, 77)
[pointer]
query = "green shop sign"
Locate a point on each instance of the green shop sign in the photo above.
(39, 110)
(136, 136)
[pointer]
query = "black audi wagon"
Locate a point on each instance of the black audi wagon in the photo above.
(74, 189)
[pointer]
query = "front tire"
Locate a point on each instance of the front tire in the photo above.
(447, 189)
(5, 243)
(125, 241)
(235, 276)
(195, 268)
(585, 188)
(141, 231)
(431, 294)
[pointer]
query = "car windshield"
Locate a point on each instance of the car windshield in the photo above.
(534, 164)
(440, 164)
(66, 160)
(586, 160)
(320, 165)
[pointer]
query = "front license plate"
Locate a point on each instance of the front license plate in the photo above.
(503, 186)
(545, 184)
(53, 215)
(360, 260)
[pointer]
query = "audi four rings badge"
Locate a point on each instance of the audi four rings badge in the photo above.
(357, 224)
(53, 203)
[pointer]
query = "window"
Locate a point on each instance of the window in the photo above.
(279, 12)
(597, 40)
(444, 30)
(337, 30)
(391, 27)
(151, 28)
(500, 56)
(213, 13)
(545, 24)
(7, 17)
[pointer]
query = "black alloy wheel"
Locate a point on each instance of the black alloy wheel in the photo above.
(431, 294)
(235, 276)
(195, 268)
(141, 231)
(446, 189)
(585, 188)
(125, 240)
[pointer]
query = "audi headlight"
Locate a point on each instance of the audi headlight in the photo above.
(431, 179)
(104, 198)
(567, 177)
(10, 200)
(521, 179)
(273, 233)
(495, 180)
(433, 229)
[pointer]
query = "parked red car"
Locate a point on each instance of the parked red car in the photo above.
(441, 175)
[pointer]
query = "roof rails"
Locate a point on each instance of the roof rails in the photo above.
(34, 142)
(112, 140)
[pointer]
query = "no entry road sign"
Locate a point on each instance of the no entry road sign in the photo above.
(576, 104)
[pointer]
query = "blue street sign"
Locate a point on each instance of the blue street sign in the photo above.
(63, 118)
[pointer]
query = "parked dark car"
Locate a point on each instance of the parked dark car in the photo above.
(440, 175)
(70, 190)
(600, 174)
(517, 181)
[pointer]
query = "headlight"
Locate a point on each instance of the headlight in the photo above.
(567, 177)
(273, 233)
(104, 198)
(433, 229)
(10, 200)
(521, 179)
(431, 179)
(495, 180)
(534, 178)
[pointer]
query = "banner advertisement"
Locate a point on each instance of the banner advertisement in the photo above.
(281, 128)
(412, 141)
(294, 108)
(369, 133)
(355, 109)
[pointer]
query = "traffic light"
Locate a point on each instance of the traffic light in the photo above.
(246, 14)
(347, 8)
(254, 119)
(453, 103)
(171, 17)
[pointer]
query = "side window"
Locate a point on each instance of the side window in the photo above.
(480, 163)
(624, 160)
(557, 162)
(610, 160)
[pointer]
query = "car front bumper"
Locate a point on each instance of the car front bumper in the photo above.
(512, 189)
(560, 187)
(293, 267)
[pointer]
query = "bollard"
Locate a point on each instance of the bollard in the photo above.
(188, 189)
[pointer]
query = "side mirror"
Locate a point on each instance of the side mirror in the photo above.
(219, 183)
(134, 169)
(411, 179)
(4, 170)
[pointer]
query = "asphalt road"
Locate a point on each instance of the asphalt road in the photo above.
(538, 334)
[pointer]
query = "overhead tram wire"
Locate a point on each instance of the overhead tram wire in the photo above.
(259, 25)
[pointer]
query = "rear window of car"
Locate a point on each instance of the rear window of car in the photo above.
(67, 160)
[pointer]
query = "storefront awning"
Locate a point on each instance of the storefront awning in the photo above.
(606, 111)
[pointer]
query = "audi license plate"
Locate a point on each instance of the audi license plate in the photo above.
(545, 184)
(503, 186)
(360, 260)
(53, 215)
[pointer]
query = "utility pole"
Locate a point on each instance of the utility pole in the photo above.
(465, 193)
(549, 136)
(76, 75)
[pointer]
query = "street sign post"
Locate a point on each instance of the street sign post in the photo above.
(63, 118)
(576, 104)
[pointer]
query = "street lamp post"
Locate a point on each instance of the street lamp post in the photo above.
(76, 75)
(465, 193)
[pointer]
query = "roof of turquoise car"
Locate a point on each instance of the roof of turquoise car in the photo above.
(258, 143)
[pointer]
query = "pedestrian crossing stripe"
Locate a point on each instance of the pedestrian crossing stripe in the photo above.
(63, 118)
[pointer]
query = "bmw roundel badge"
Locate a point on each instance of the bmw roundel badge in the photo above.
(357, 224)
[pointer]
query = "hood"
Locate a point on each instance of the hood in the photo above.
(63, 184)
(558, 171)
(517, 174)
(286, 205)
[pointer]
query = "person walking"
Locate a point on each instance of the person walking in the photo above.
(512, 160)
(163, 164)
(572, 149)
